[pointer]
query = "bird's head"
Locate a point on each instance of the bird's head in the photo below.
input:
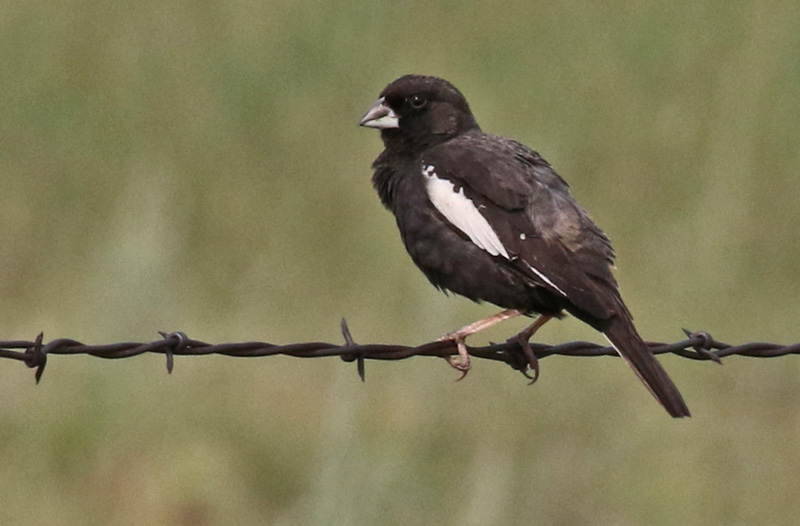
(416, 111)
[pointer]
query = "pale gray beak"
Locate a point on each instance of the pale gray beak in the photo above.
(380, 116)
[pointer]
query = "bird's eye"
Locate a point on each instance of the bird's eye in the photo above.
(417, 101)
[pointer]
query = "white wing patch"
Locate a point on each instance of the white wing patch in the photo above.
(464, 215)
(462, 212)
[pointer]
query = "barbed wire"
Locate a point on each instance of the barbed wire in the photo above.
(516, 352)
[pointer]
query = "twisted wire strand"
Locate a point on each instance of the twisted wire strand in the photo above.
(697, 346)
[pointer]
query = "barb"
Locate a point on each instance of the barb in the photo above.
(515, 352)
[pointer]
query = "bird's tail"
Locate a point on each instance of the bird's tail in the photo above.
(623, 337)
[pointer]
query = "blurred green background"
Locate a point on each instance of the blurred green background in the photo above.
(196, 166)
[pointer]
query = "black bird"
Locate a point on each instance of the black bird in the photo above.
(488, 218)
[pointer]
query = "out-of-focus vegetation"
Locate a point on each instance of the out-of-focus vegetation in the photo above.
(196, 166)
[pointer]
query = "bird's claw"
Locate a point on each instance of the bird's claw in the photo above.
(455, 363)
(533, 362)
(461, 362)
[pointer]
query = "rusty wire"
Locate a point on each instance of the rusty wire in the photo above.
(696, 346)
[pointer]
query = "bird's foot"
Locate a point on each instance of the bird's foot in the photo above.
(460, 362)
(533, 361)
(522, 339)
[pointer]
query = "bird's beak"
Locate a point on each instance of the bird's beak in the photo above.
(380, 116)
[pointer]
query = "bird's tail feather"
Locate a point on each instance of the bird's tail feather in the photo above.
(623, 337)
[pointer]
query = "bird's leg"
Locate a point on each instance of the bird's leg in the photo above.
(531, 329)
(462, 362)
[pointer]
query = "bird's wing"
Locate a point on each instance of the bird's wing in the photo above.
(511, 203)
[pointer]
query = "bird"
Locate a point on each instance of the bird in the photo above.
(487, 218)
